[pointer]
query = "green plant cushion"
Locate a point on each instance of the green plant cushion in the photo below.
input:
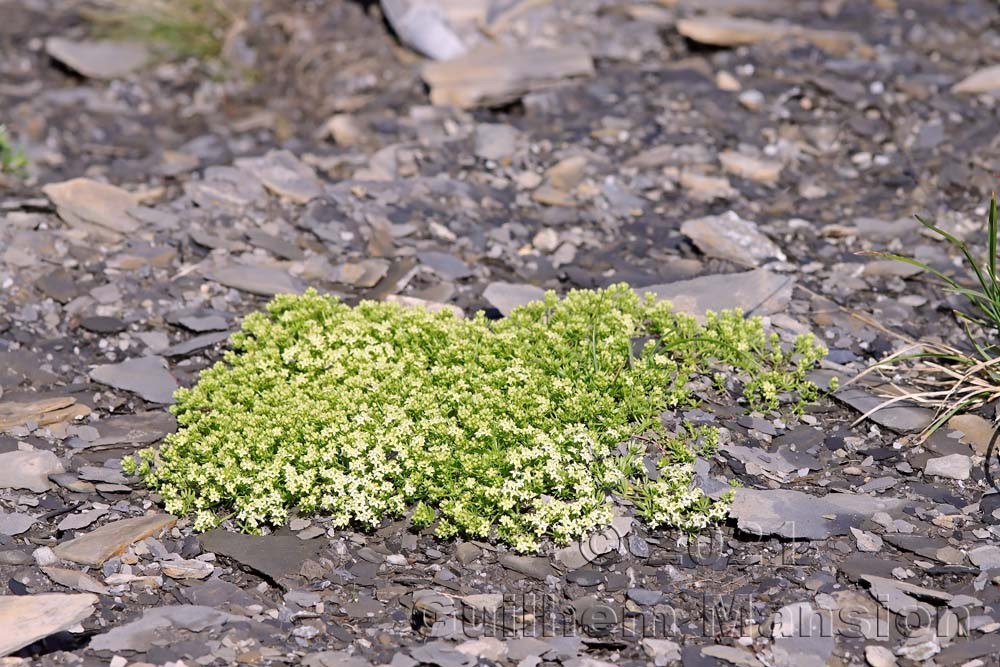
(516, 429)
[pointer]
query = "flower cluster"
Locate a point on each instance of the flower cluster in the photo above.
(511, 430)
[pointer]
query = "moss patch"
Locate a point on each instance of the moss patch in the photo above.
(184, 28)
(516, 429)
(12, 158)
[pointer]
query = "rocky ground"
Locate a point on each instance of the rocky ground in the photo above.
(719, 152)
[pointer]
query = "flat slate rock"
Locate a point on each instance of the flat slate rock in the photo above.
(81, 520)
(58, 285)
(102, 324)
(98, 59)
(962, 652)
(15, 523)
(28, 469)
(217, 592)
(495, 74)
(79, 581)
(757, 292)
(202, 324)
(82, 202)
(27, 618)
(730, 237)
(445, 265)
(505, 297)
(146, 376)
(141, 428)
(43, 411)
(111, 539)
(986, 80)
(285, 175)
(261, 280)
(529, 566)
(796, 515)
(17, 366)
(195, 344)
(274, 556)
(161, 624)
(900, 417)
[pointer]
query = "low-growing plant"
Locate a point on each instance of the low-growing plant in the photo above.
(12, 159)
(942, 376)
(186, 28)
(517, 429)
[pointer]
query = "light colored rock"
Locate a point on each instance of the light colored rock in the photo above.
(729, 31)
(44, 556)
(661, 648)
(98, 59)
(732, 655)
(985, 557)
(986, 80)
(920, 651)
(146, 376)
(493, 74)
(262, 280)
(797, 515)
(750, 167)
(953, 466)
(546, 240)
(567, 174)
(27, 618)
(87, 204)
(901, 417)
(505, 297)
(489, 648)
(496, 142)
(486, 602)
(879, 656)
(975, 431)
(550, 196)
(344, 128)
(44, 412)
(730, 237)
(80, 581)
(111, 539)
(890, 268)
(758, 292)
(900, 597)
(15, 523)
(366, 273)
(706, 188)
(752, 99)
(433, 306)
(867, 542)
(424, 27)
(285, 175)
(179, 568)
(28, 469)
(727, 82)
(161, 624)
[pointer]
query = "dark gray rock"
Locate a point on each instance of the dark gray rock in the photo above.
(277, 557)
(146, 376)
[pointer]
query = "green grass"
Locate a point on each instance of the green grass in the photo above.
(946, 377)
(12, 159)
(514, 430)
(182, 28)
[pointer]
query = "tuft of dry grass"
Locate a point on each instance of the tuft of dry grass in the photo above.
(186, 28)
(941, 376)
